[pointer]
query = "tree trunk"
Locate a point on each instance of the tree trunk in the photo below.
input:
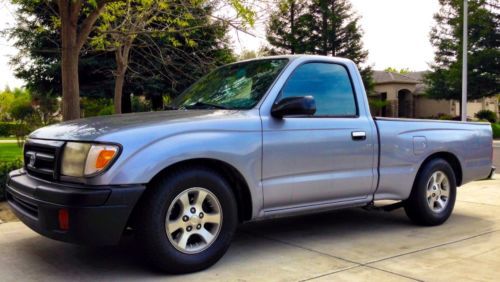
(69, 68)
(126, 103)
(324, 11)
(119, 81)
(121, 56)
(70, 83)
(73, 37)
(157, 102)
(333, 35)
(292, 28)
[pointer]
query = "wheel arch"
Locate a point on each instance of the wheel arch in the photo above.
(451, 159)
(236, 181)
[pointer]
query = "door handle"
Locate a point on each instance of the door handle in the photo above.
(358, 135)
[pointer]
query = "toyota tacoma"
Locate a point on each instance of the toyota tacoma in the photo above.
(257, 139)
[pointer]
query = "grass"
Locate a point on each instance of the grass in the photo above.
(10, 152)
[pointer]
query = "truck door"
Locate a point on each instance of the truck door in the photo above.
(322, 158)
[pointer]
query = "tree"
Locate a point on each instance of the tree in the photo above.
(38, 37)
(133, 24)
(444, 81)
(77, 18)
(73, 21)
(26, 110)
(400, 71)
(73, 38)
(161, 67)
(324, 27)
(120, 24)
(287, 29)
(252, 54)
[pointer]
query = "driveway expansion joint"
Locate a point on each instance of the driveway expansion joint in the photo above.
(356, 264)
(367, 264)
(433, 247)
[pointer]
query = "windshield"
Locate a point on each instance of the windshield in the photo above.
(236, 86)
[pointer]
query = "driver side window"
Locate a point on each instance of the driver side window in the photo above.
(328, 83)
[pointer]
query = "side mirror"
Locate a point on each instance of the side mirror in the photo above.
(294, 106)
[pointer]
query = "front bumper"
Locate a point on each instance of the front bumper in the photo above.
(97, 215)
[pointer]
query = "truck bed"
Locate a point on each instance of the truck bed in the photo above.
(406, 143)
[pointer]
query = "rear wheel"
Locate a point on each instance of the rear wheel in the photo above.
(186, 220)
(433, 195)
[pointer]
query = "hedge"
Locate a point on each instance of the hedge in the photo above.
(496, 130)
(5, 168)
(486, 115)
(8, 129)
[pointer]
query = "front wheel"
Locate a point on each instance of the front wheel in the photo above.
(187, 220)
(433, 195)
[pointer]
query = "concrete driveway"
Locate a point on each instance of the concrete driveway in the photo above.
(349, 245)
(496, 154)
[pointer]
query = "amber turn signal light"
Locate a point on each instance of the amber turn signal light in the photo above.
(105, 156)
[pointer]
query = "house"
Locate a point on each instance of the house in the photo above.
(405, 96)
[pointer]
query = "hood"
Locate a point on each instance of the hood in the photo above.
(98, 128)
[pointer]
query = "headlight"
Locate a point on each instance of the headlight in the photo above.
(84, 159)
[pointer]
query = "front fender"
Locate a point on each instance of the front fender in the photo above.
(240, 149)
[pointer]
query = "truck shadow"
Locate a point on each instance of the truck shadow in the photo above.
(346, 237)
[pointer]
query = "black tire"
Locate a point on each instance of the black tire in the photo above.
(417, 207)
(151, 227)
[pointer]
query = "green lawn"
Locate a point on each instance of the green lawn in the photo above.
(10, 152)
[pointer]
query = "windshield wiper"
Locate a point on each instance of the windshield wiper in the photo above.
(199, 105)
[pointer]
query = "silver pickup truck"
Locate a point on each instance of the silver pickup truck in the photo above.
(257, 139)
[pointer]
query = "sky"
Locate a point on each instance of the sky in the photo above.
(396, 34)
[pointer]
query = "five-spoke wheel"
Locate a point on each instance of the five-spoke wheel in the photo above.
(438, 191)
(193, 220)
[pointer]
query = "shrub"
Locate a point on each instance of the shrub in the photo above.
(442, 116)
(8, 129)
(139, 104)
(496, 130)
(106, 111)
(92, 107)
(487, 115)
(5, 168)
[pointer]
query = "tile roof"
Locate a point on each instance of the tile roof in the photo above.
(383, 77)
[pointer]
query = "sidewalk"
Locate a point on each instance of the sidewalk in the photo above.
(7, 141)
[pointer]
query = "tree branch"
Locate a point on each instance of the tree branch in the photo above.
(89, 22)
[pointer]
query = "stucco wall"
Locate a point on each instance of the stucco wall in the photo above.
(425, 107)
(392, 89)
(475, 106)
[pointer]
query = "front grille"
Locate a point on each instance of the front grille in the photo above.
(41, 158)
